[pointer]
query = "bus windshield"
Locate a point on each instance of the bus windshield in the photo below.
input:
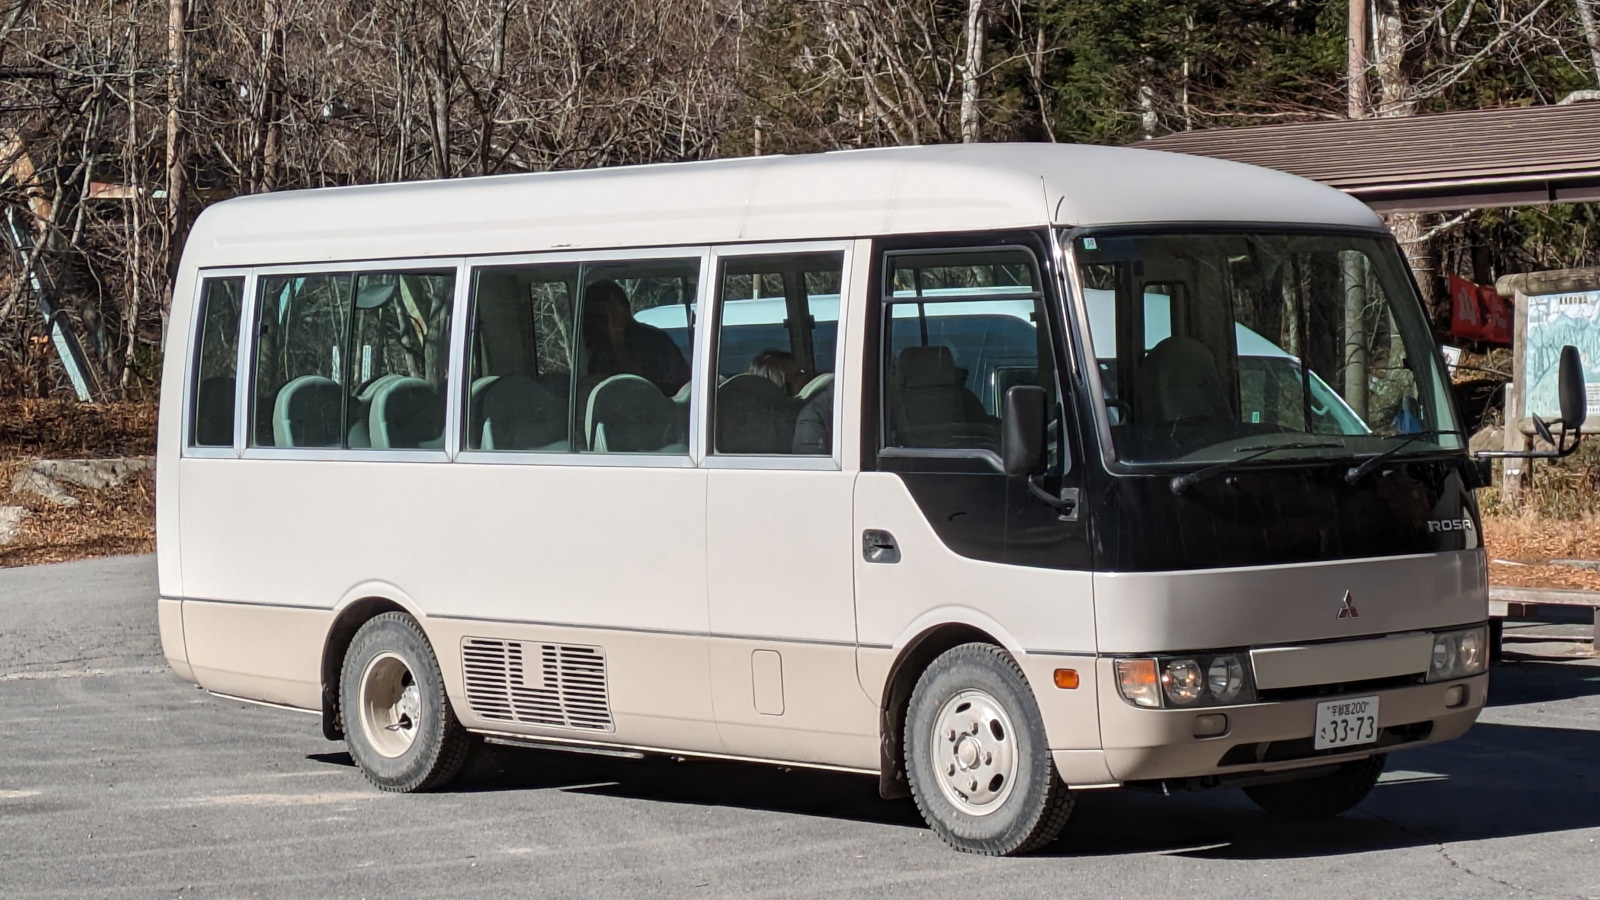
(1213, 345)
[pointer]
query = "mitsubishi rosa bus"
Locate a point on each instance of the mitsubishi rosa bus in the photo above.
(998, 472)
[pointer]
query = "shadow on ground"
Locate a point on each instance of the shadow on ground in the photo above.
(1500, 780)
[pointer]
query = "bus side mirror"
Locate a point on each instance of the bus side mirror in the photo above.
(1573, 393)
(1022, 424)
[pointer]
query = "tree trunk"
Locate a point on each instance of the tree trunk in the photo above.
(976, 34)
(1591, 33)
(1356, 88)
(1397, 97)
(176, 66)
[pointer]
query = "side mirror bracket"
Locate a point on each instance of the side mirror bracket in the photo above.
(1022, 445)
(1574, 399)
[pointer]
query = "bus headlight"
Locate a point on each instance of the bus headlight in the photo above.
(1184, 682)
(1458, 654)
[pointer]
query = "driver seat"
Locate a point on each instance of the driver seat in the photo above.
(1178, 381)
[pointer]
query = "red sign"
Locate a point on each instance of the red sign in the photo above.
(1479, 313)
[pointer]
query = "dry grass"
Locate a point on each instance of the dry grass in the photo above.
(111, 522)
(105, 523)
(1521, 546)
(60, 429)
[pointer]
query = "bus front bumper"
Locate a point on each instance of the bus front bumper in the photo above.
(1161, 744)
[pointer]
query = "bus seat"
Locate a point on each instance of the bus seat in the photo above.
(306, 413)
(213, 412)
(930, 408)
(814, 385)
(519, 414)
(754, 415)
(475, 410)
(627, 414)
(1178, 380)
(405, 412)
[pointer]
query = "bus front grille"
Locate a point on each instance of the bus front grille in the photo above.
(554, 685)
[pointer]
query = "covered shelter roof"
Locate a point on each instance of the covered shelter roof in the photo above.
(1428, 163)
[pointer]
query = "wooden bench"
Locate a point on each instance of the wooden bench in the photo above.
(1515, 602)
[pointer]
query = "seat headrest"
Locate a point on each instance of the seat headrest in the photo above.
(1179, 380)
(927, 367)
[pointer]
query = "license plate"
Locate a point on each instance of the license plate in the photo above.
(1344, 723)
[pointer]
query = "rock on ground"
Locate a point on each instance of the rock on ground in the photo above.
(43, 478)
(30, 482)
(11, 522)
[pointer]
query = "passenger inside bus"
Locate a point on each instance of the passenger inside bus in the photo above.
(781, 368)
(617, 344)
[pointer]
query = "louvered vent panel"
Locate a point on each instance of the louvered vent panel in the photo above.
(558, 685)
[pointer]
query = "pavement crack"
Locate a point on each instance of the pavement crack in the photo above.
(1443, 850)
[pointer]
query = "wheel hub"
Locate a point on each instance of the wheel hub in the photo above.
(974, 752)
(391, 705)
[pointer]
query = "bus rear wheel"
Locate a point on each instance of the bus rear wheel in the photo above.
(398, 722)
(976, 756)
(1324, 796)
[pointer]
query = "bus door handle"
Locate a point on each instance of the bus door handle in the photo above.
(879, 547)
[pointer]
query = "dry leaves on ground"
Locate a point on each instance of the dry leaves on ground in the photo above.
(1521, 547)
(110, 522)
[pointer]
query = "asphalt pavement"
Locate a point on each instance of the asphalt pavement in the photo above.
(119, 780)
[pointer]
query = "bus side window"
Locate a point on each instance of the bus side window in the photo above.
(215, 361)
(777, 322)
(633, 396)
(961, 327)
(519, 390)
(352, 359)
(399, 360)
(301, 325)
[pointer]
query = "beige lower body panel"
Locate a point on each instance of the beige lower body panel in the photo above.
(656, 683)
(267, 653)
(169, 622)
(1149, 744)
(815, 712)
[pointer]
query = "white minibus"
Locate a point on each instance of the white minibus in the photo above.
(999, 472)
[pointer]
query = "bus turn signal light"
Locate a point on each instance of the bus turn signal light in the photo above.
(1067, 679)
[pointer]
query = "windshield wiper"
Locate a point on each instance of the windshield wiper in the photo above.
(1181, 483)
(1356, 473)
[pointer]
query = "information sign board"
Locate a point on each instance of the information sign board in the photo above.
(1554, 321)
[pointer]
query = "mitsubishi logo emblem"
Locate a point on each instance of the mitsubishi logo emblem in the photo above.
(1347, 607)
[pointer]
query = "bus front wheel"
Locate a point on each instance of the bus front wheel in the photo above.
(1321, 797)
(398, 722)
(979, 766)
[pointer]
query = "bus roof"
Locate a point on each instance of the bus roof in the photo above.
(844, 194)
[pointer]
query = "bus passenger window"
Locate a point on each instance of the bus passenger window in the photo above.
(633, 396)
(352, 359)
(519, 393)
(777, 324)
(399, 360)
(301, 325)
(961, 329)
(216, 358)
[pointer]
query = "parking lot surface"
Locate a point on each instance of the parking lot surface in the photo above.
(119, 780)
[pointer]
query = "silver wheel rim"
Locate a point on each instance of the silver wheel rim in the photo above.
(391, 705)
(974, 752)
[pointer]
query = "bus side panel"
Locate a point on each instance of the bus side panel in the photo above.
(513, 551)
(646, 679)
(1044, 617)
(269, 653)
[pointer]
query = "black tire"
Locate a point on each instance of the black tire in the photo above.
(485, 763)
(403, 733)
(1014, 808)
(1324, 796)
